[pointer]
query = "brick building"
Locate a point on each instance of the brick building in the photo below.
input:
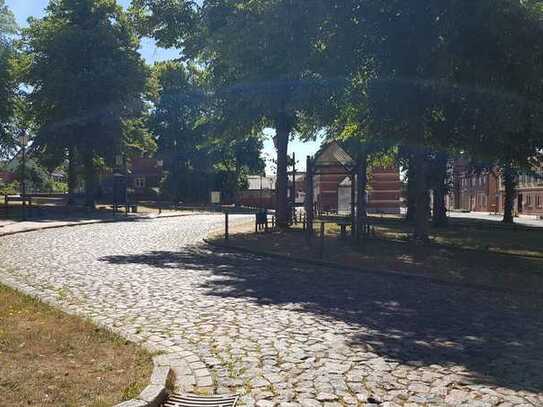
(479, 191)
(529, 199)
(484, 192)
(332, 183)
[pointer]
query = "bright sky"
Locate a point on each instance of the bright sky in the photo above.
(35, 8)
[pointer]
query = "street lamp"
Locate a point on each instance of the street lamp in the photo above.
(23, 141)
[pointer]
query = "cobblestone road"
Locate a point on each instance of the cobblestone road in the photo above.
(286, 334)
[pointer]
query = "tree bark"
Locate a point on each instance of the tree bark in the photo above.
(283, 129)
(440, 191)
(411, 190)
(308, 204)
(90, 181)
(362, 186)
(510, 193)
(421, 233)
(71, 175)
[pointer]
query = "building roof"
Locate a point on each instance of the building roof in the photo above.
(145, 167)
(333, 154)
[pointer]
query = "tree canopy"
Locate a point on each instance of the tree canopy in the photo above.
(8, 84)
(86, 76)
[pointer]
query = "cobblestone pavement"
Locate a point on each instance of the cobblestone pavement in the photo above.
(286, 334)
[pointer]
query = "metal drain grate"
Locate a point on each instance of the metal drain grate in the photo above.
(178, 400)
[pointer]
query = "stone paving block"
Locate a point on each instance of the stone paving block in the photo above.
(160, 375)
(284, 333)
(154, 395)
(132, 403)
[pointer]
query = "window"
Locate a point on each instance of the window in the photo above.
(529, 200)
(538, 200)
(139, 182)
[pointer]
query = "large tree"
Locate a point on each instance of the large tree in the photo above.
(8, 85)
(261, 57)
(87, 78)
(178, 102)
(445, 75)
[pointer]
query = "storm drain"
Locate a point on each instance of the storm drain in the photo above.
(178, 400)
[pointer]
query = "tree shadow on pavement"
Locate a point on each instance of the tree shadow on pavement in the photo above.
(498, 338)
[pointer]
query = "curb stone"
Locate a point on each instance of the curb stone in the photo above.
(331, 264)
(95, 222)
(156, 392)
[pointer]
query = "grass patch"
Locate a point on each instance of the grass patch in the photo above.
(490, 265)
(49, 358)
(471, 234)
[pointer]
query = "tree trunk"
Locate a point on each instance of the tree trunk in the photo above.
(362, 186)
(440, 191)
(411, 190)
(71, 175)
(283, 129)
(90, 181)
(510, 193)
(308, 204)
(421, 233)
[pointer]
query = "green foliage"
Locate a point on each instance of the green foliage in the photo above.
(8, 84)
(87, 79)
(138, 141)
(260, 58)
(10, 189)
(199, 149)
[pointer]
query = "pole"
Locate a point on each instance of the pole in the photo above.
(23, 176)
(308, 200)
(353, 205)
(294, 187)
(226, 236)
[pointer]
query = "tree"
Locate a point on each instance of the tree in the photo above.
(500, 113)
(236, 157)
(87, 78)
(8, 84)
(430, 64)
(260, 57)
(178, 102)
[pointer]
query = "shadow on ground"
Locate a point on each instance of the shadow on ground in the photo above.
(496, 337)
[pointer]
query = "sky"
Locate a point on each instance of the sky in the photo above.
(151, 53)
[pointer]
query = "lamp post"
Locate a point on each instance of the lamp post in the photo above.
(23, 141)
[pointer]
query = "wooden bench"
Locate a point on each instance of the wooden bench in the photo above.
(128, 206)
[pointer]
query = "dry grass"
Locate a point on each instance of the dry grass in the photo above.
(444, 261)
(48, 358)
(472, 234)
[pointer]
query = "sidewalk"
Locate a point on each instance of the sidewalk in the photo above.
(525, 220)
(10, 227)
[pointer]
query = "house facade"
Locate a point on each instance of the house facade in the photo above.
(479, 192)
(332, 184)
(484, 192)
(145, 175)
(529, 198)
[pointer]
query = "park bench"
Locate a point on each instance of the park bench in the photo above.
(130, 207)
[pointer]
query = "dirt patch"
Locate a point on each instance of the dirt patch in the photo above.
(447, 263)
